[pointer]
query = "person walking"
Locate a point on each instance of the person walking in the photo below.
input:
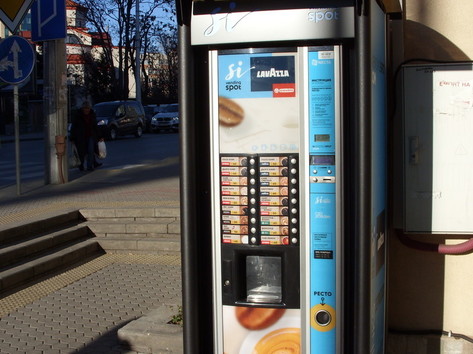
(85, 135)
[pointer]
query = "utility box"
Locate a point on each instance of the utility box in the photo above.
(438, 148)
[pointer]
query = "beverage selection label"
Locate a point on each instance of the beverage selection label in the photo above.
(259, 199)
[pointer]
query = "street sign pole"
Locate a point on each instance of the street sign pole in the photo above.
(55, 108)
(48, 25)
(16, 64)
(17, 138)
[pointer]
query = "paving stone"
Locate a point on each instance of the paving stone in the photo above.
(120, 292)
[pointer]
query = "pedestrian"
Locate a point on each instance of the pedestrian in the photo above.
(85, 135)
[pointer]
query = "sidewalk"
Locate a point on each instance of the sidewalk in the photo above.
(82, 309)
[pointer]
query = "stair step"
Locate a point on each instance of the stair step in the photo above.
(20, 251)
(20, 232)
(92, 214)
(28, 271)
(140, 244)
(103, 227)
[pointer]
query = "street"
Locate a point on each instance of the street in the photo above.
(125, 152)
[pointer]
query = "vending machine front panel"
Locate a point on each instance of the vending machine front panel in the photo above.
(275, 128)
(256, 117)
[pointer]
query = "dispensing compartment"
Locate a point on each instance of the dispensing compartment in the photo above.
(263, 279)
(260, 276)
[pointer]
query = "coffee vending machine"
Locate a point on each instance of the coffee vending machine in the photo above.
(271, 188)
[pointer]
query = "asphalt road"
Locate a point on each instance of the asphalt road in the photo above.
(125, 152)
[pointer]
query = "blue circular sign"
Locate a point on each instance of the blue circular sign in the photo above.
(17, 59)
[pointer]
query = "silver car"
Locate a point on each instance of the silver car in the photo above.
(167, 118)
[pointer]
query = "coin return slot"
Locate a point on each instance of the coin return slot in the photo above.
(323, 318)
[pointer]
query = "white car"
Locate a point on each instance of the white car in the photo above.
(167, 118)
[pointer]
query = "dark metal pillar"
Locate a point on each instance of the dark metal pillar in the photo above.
(362, 177)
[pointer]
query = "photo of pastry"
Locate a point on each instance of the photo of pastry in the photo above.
(250, 330)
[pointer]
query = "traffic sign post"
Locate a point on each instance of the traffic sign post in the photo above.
(16, 64)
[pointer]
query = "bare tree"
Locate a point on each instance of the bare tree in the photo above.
(114, 20)
(167, 70)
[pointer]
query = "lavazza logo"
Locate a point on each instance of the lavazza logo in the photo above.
(272, 73)
(319, 15)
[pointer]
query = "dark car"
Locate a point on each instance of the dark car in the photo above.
(120, 118)
(167, 118)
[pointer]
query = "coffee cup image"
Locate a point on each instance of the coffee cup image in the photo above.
(230, 113)
(284, 340)
(282, 336)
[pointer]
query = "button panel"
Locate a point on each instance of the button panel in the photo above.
(260, 199)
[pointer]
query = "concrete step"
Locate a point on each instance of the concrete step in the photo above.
(55, 259)
(31, 251)
(140, 245)
(136, 230)
(16, 233)
(152, 333)
(137, 213)
(18, 252)
(155, 227)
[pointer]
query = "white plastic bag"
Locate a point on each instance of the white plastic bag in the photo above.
(74, 160)
(102, 149)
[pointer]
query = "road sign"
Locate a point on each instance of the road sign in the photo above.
(17, 59)
(13, 11)
(48, 20)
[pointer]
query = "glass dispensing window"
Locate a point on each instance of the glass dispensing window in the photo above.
(263, 279)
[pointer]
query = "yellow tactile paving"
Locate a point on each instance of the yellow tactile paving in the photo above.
(45, 287)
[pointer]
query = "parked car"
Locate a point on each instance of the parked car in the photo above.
(166, 119)
(150, 111)
(120, 118)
